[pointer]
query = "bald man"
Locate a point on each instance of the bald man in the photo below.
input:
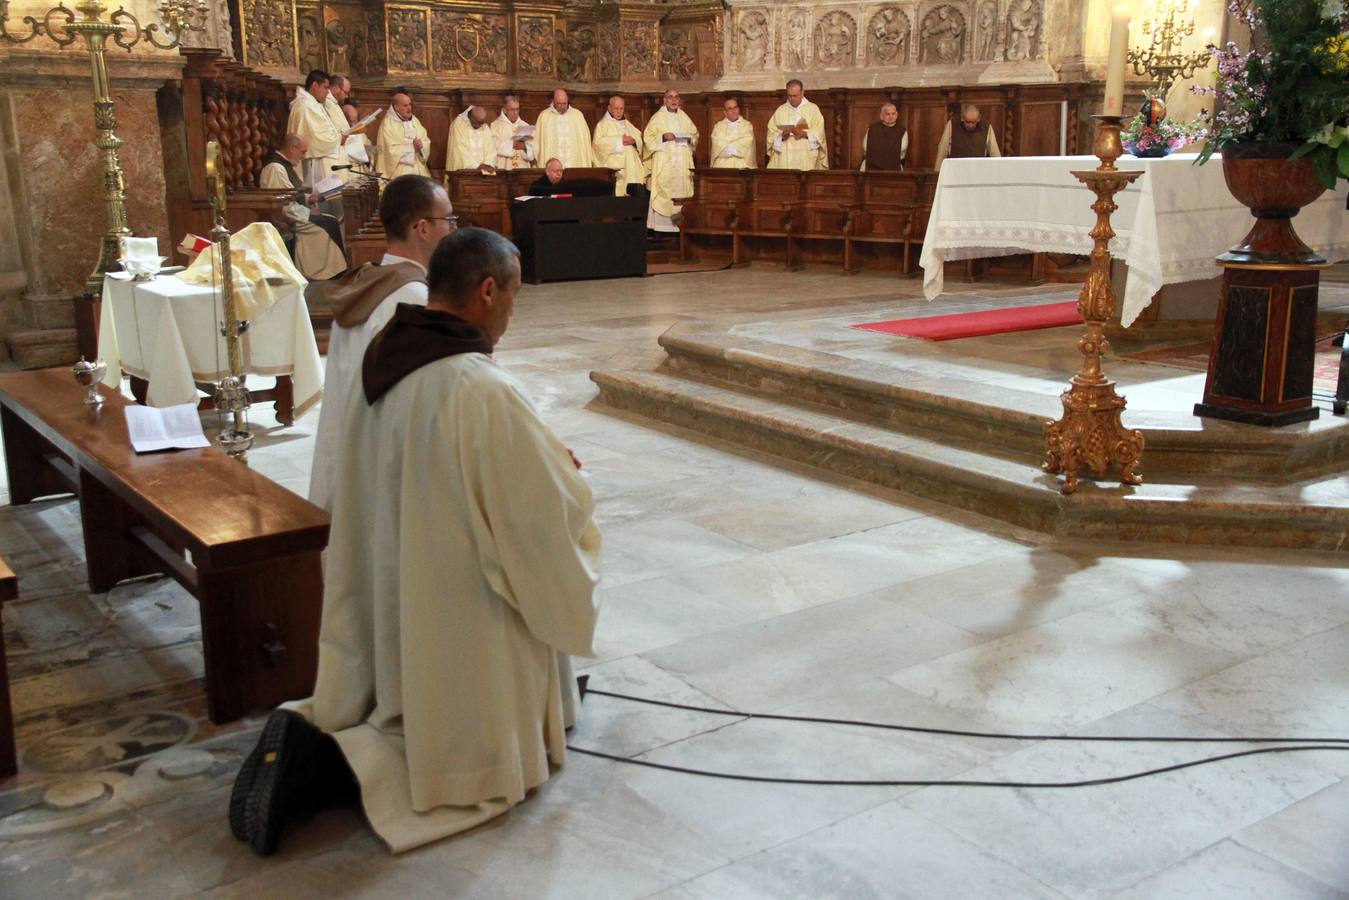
(618, 146)
(563, 133)
(403, 147)
(472, 145)
(315, 239)
(974, 138)
(515, 138)
(886, 143)
(670, 139)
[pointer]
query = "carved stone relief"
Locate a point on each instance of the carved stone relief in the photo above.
(640, 49)
(986, 31)
(609, 53)
(942, 40)
(796, 39)
(888, 38)
(1023, 29)
(270, 33)
(678, 57)
(752, 40)
(836, 39)
(534, 45)
(375, 59)
(407, 40)
(472, 43)
(343, 40)
(310, 34)
(576, 52)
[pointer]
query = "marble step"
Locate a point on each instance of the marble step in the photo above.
(1008, 422)
(1311, 514)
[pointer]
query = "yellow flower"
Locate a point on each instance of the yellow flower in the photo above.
(1335, 52)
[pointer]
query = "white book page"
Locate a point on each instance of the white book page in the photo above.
(169, 427)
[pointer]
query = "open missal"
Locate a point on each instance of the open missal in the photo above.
(164, 428)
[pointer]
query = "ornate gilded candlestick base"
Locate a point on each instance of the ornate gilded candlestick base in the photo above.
(1090, 433)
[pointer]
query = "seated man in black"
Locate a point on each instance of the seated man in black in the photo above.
(552, 183)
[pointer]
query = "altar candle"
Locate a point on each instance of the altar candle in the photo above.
(1114, 72)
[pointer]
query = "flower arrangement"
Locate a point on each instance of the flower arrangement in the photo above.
(1151, 134)
(1290, 86)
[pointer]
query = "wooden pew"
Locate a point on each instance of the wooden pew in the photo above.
(9, 760)
(245, 547)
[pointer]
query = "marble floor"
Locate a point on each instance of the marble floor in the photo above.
(738, 581)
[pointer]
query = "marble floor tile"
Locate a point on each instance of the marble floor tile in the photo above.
(1229, 870)
(1311, 836)
(652, 549)
(802, 520)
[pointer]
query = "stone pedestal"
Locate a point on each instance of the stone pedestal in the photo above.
(1262, 365)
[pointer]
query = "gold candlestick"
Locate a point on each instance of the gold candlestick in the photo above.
(1090, 433)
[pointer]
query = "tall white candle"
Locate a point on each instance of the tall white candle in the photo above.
(1114, 72)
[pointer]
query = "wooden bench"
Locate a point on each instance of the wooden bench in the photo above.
(9, 760)
(245, 547)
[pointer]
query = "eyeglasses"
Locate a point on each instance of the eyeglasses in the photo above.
(453, 220)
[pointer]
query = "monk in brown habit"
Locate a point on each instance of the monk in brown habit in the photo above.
(886, 143)
(973, 139)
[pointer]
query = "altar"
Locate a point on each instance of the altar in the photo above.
(1169, 226)
(167, 332)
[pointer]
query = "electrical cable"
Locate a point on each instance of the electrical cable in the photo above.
(1291, 745)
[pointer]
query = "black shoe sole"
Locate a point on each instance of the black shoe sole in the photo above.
(242, 825)
(286, 741)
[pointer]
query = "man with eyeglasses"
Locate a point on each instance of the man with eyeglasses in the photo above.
(973, 139)
(416, 214)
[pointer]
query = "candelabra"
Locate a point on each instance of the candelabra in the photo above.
(126, 31)
(230, 395)
(1090, 434)
(1162, 58)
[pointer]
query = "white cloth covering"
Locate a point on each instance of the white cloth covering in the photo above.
(167, 332)
(342, 373)
(1170, 224)
(460, 572)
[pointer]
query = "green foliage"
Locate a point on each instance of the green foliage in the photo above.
(1304, 77)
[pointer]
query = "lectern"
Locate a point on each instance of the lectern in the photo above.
(569, 238)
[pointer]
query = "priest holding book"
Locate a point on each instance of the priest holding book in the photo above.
(670, 138)
(796, 133)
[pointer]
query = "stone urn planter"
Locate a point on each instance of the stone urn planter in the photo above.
(1261, 177)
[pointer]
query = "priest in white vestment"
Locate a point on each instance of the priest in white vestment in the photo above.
(359, 148)
(416, 214)
(670, 139)
(472, 144)
(310, 120)
(563, 134)
(402, 146)
(339, 88)
(516, 140)
(460, 574)
(796, 133)
(618, 146)
(733, 140)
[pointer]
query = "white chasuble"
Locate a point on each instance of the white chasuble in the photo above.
(807, 153)
(565, 137)
(470, 147)
(310, 121)
(395, 152)
(333, 109)
(612, 153)
(504, 132)
(460, 573)
(733, 145)
(671, 164)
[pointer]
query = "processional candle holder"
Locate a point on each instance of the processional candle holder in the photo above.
(1090, 434)
(230, 395)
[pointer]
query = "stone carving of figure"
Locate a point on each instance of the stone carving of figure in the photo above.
(836, 39)
(986, 27)
(1023, 30)
(753, 34)
(795, 52)
(888, 44)
(943, 37)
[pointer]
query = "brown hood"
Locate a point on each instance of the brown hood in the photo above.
(415, 337)
(371, 286)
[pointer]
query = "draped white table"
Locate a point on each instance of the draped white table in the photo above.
(167, 332)
(1170, 224)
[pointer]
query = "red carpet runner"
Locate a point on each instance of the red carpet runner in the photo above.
(976, 324)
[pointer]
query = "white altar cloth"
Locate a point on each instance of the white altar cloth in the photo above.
(1170, 224)
(168, 332)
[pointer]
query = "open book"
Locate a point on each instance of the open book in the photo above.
(164, 428)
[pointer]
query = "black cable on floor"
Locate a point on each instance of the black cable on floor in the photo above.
(959, 733)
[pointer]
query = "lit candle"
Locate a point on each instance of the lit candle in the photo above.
(1119, 52)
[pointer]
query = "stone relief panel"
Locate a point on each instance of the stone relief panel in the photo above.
(986, 32)
(678, 62)
(345, 42)
(888, 35)
(407, 40)
(1024, 21)
(375, 58)
(752, 40)
(534, 45)
(942, 38)
(576, 52)
(796, 39)
(269, 33)
(610, 63)
(474, 43)
(641, 43)
(309, 37)
(836, 40)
